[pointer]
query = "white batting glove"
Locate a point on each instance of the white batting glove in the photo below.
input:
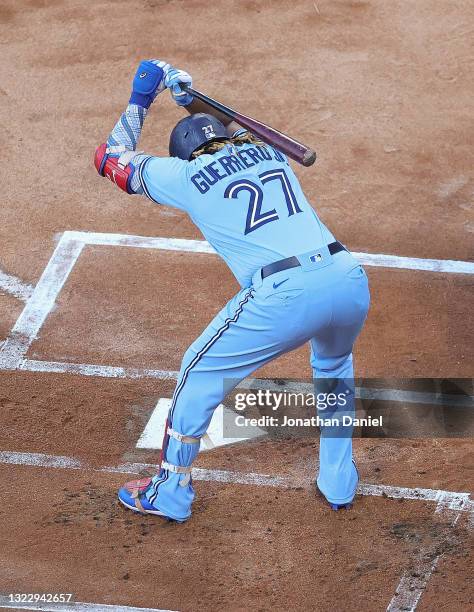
(166, 68)
(173, 80)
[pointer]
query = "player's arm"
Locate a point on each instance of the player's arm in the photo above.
(174, 79)
(118, 159)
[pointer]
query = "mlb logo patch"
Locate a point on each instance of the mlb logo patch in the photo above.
(316, 258)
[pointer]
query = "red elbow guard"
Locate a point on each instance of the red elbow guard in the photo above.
(110, 168)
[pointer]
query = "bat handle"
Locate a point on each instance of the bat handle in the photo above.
(225, 110)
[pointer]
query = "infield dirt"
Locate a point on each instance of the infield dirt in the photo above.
(383, 92)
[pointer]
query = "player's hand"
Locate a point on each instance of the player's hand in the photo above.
(173, 80)
(149, 81)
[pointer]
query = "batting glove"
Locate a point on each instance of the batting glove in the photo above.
(149, 81)
(173, 80)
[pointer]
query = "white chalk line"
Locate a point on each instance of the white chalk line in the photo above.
(40, 303)
(224, 476)
(363, 393)
(42, 299)
(412, 583)
(89, 369)
(451, 500)
(76, 606)
(202, 246)
(410, 587)
(15, 286)
(70, 246)
(40, 460)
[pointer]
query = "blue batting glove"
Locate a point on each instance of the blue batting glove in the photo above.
(174, 78)
(149, 81)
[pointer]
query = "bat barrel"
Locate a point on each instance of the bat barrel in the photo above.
(294, 149)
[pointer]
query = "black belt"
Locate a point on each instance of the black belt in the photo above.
(293, 262)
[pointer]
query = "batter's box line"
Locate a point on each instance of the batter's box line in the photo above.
(15, 286)
(64, 258)
(413, 582)
(445, 500)
(43, 299)
(74, 606)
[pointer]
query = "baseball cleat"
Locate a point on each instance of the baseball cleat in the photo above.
(133, 496)
(336, 507)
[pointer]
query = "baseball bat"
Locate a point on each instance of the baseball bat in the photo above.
(294, 149)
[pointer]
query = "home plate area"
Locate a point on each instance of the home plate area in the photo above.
(87, 375)
(152, 436)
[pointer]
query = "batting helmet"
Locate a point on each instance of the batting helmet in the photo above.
(192, 132)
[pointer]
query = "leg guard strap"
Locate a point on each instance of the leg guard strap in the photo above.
(179, 469)
(138, 503)
(181, 437)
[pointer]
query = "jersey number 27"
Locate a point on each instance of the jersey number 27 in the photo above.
(255, 217)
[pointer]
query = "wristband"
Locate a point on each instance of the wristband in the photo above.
(146, 83)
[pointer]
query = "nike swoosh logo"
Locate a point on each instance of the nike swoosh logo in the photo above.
(276, 285)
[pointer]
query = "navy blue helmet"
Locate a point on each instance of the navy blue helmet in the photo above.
(192, 132)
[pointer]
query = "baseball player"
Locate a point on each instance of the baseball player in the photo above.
(298, 283)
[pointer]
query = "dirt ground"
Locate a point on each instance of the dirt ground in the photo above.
(383, 91)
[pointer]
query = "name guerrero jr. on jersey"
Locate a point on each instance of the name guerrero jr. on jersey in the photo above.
(226, 165)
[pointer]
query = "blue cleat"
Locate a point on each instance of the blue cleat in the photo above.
(133, 496)
(336, 507)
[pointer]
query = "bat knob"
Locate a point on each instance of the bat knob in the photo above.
(309, 158)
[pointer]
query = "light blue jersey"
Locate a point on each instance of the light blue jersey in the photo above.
(249, 205)
(245, 199)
